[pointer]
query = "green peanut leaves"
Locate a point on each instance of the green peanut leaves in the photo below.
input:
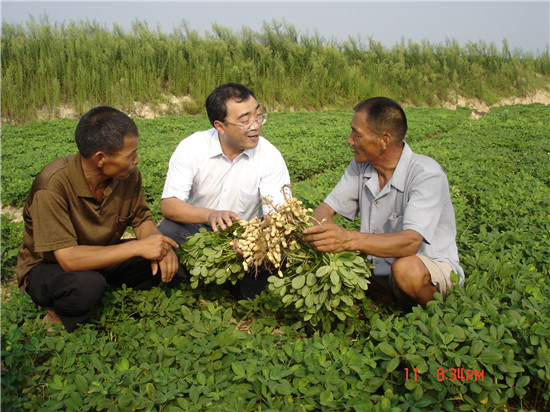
(210, 258)
(324, 287)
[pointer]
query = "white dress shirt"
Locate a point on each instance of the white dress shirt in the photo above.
(201, 175)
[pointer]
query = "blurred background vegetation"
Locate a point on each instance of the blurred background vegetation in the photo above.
(83, 64)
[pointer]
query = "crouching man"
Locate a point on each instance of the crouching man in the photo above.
(75, 215)
(408, 225)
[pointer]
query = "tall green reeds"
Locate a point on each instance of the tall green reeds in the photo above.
(83, 64)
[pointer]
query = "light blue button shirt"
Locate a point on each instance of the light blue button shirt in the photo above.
(416, 197)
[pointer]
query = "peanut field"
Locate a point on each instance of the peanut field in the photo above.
(484, 348)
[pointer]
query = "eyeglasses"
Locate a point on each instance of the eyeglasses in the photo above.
(250, 124)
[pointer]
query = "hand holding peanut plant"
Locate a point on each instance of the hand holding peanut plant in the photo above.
(320, 286)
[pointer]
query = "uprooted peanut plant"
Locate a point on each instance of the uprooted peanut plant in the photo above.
(320, 286)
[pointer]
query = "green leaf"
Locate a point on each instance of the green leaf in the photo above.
(490, 357)
(283, 387)
(276, 281)
(399, 342)
(523, 381)
(334, 278)
(124, 364)
(392, 364)
(287, 299)
(476, 348)
(326, 396)
(388, 349)
(194, 394)
(150, 391)
(322, 271)
(227, 314)
(81, 383)
(237, 369)
(57, 383)
(298, 282)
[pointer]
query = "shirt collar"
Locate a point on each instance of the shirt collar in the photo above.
(216, 148)
(80, 185)
(399, 175)
(76, 174)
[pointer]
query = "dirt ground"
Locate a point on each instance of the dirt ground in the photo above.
(479, 108)
(174, 105)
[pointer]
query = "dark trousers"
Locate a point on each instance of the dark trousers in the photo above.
(249, 287)
(74, 295)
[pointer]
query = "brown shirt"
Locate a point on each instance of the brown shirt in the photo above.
(60, 212)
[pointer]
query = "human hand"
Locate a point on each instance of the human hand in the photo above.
(236, 247)
(168, 266)
(327, 237)
(155, 247)
(222, 218)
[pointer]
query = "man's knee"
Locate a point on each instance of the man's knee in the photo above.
(413, 278)
(410, 274)
(173, 230)
(81, 295)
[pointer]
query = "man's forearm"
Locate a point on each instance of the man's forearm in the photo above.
(83, 257)
(385, 245)
(147, 228)
(179, 211)
(323, 214)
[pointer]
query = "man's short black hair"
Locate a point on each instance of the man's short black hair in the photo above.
(216, 106)
(103, 129)
(384, 114)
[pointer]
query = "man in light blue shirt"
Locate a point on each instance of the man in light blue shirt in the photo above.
(408, 227)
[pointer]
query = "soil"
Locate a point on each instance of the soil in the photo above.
(175, 105)
(480, 108)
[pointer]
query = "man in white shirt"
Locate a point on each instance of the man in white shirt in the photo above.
(408, 227)
(216, 177)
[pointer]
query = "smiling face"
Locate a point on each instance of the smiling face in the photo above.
(120, 164)
(234, 138)
(367, 145)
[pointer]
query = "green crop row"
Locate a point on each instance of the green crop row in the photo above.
(201, 350)
(182, 351)
(45, 66)
(311, 143)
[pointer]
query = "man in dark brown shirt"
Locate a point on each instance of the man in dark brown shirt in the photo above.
(75, 215)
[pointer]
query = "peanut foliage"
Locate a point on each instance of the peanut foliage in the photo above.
(321, 287)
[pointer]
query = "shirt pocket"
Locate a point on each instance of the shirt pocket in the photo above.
(121, 223)
(249, 205)
(395, 223)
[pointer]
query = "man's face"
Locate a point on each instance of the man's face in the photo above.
(233, 137)
(365, 142)
(120, 164)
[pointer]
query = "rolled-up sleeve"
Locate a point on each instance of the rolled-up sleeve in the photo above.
(52, 225)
